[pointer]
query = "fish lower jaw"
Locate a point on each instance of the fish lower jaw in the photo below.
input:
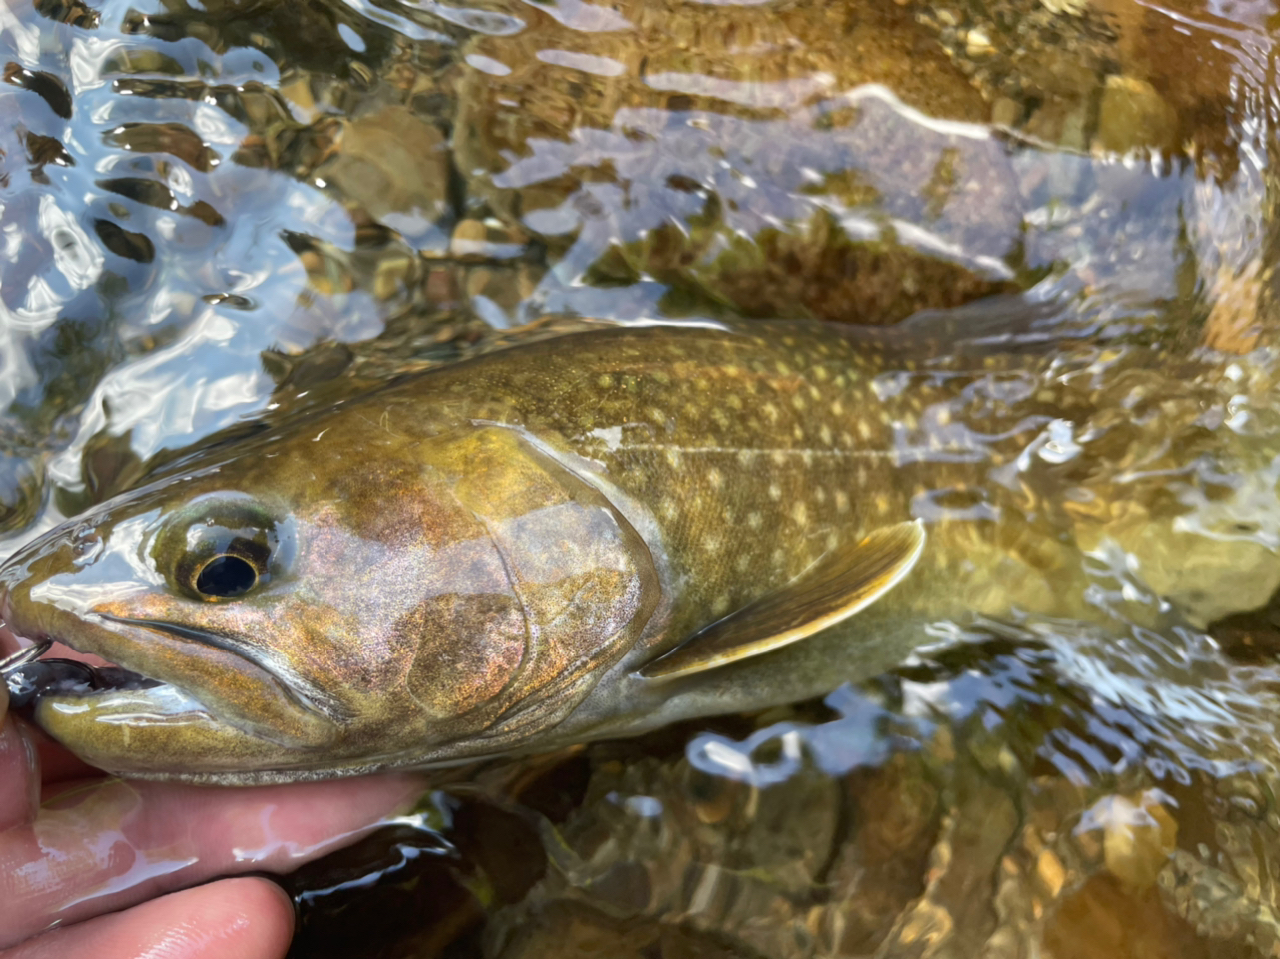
(153, 703)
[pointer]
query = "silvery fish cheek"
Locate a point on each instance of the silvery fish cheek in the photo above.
(566, 539)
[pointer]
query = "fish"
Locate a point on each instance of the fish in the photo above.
(600, 533)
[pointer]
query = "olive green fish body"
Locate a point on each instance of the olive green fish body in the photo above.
(582, 536)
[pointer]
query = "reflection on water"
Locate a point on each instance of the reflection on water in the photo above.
(217, 210)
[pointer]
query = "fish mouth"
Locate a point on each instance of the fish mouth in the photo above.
(37, 677)
(30, 674)
(148, 673)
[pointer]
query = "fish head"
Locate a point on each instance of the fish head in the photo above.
(321, 607)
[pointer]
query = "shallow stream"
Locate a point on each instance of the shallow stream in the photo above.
(215, 211)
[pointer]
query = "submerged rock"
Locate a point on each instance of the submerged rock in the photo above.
(988, 806)
(737, 156)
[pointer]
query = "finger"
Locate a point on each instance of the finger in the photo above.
(114, 843)
(231, 919)
(57, 764)
(19, 775)
(19, 769)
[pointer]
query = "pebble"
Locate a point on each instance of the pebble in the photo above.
(977, 43)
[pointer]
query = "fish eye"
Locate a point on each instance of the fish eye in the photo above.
(221, 547)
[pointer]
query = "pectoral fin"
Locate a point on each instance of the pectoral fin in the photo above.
(841, 583)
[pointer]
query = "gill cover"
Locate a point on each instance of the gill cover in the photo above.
(581, 587)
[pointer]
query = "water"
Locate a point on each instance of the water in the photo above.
(217, 211)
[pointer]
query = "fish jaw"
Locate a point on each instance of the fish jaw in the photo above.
(149, 733)
(209, 711)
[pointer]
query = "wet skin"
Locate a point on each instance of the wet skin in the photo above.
(586, 536)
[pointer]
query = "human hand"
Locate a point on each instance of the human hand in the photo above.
(77, 847)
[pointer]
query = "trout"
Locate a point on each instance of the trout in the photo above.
(597, 534)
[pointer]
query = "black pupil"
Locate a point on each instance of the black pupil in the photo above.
(226, 576)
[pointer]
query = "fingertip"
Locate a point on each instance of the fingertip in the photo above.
(243, 918)
(277, 918)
